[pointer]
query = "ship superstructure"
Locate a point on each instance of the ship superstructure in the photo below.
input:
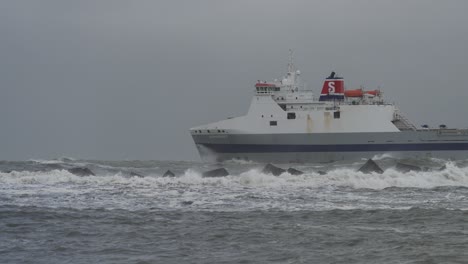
(286, 123)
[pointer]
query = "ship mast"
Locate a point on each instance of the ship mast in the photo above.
(291, 60)
(291, 77)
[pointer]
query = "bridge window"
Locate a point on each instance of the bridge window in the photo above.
(273, 123)
(336, 115)
(291, 115)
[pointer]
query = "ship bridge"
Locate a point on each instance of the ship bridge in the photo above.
(289, 92)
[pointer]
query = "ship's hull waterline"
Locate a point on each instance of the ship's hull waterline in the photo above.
(329, 147)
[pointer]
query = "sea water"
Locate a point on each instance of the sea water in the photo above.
(129, 213)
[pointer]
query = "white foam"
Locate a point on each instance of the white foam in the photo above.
(451, 176)
(27, 177)
(54, 161)
(240, 161)
(382, 156)
(250, 190)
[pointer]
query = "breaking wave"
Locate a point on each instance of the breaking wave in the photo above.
(342, 177)
(247, 188)
(382, 156)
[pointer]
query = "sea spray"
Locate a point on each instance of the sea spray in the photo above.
(247, 188)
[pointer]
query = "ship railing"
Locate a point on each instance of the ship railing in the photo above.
(452, 132)
(264, 92)
(404, 123)
(333, 108)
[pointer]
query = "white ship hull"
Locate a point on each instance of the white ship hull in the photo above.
(304, 148)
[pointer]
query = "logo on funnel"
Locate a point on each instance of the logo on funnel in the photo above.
(333, 88)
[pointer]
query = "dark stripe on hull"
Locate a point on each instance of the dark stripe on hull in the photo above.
(252, 148)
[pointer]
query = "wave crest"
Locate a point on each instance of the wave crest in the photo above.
(341, 177)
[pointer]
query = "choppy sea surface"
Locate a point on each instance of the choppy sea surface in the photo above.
(129, 213)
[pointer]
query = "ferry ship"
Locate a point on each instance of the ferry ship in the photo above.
(287, 124)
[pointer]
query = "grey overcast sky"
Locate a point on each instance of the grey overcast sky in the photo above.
(118, 79)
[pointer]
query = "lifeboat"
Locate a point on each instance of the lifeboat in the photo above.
(354, 93)
(361, 93)
(374, 92)
(264, 84)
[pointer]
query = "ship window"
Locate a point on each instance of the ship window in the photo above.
(271, 115)
(208, 131)
(262, 116)
(219, 131)
(291, 115)
(273, 123)
(336, 115)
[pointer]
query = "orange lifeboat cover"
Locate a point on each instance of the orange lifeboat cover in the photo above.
(354, 93)
(374, 92)
(260, 84)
